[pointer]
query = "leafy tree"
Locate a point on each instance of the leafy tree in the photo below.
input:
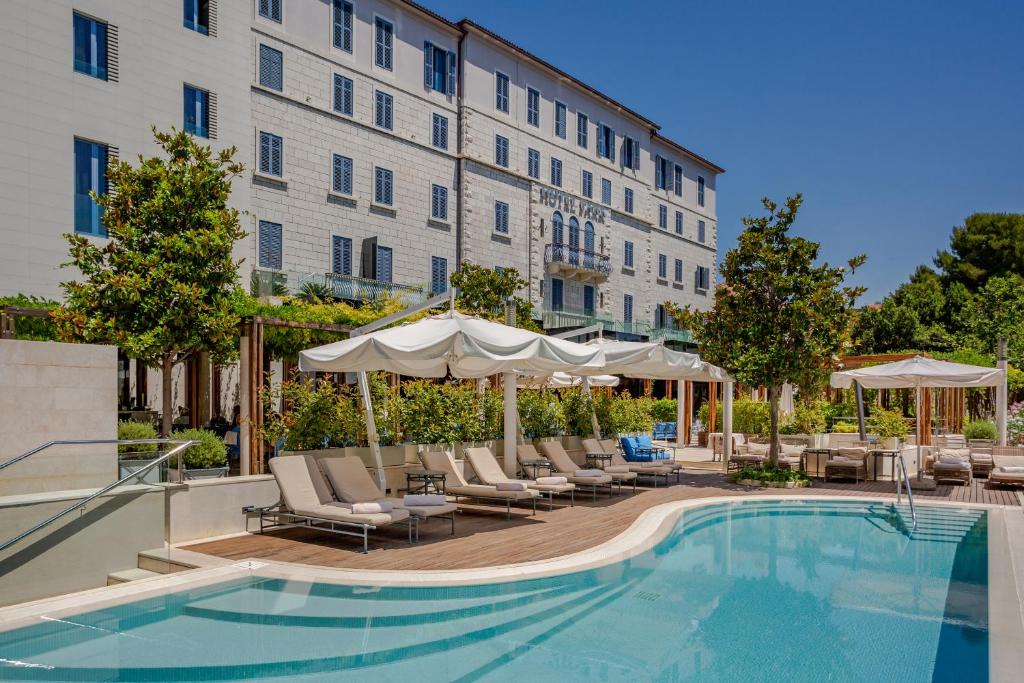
(779, 317)
(886, 327)
(986, 245)
(162, 287)
(483, 291)
(997, 311)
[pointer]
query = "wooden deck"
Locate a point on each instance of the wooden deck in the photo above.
(484, 537)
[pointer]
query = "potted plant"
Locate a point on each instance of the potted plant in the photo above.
(890, 427)
(205, 460)
(749, 476)
(133, 457)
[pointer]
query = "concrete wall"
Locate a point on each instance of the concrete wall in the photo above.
(77, 552)
(51, 391)
(213, 507)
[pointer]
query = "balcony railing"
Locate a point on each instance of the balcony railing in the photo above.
(552, 319)
(671, 334)
(347, 287)
(574, 258)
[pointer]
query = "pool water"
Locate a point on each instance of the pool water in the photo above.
(746, 591)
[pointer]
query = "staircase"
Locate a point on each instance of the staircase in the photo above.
(151, 563)
(934, 523)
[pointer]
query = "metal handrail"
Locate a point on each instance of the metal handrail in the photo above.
(900, 481)
(182, 445)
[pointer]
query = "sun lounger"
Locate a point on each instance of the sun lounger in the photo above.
(353, 484)
(1008, 470)
(849, 463)
(619, 473)
(565, 467)
(489, 472)
(311, 505)
(457, 486)
(654, 470)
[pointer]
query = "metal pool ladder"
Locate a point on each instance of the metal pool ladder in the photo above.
(902, 480)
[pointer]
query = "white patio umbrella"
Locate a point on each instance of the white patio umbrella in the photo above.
(917, 373)
(465, 346)
(563, 380)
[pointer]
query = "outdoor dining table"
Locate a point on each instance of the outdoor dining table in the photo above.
(598, 460)
(423, 481)
(536, 465)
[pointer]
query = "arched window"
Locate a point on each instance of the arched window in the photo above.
(588, 237)
(556, 228)
(574, 232)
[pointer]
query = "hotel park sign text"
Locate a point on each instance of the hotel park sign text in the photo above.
(572, 205)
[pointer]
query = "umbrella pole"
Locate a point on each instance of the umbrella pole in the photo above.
(508, 381)
(371, 429)
(682, 406)
(594, 425)
(726, 425)
(920, 428)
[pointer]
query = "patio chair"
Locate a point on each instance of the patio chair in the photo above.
(1007, 470)
(664, 431)
(981, 457)
(460, 488)
(791, 456)
(618, 472)
(641, 469)
(308, 503)
(952, 464)
(754, 455)
(642, 449)
(489, 472)
(848, 463)
(353, 484)
(565, 467)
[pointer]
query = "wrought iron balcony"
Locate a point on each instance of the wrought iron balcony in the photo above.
(588, 265)
(562, 319)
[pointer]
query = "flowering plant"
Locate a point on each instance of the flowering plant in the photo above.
(1015, 424)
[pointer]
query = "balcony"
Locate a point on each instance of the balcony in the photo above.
(345, 287)
(553, 320)
(584, 265)
(671, 334)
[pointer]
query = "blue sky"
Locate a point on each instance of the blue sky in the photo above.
(896, 119)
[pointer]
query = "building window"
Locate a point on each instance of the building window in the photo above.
(662, 266)
(627, 254)
(627, 308)
(627, 200)
(271, 68)
(90, 176)
(341, 255)
(501, 151)
(341, 175)
(588, 184)
(439, 202)
(678, 181)
(663, 217)
(197, 16)
(384, 34)
(438, 275)
(702, 279)
(438, 69)
(533, 163)
(556, 294)
(630, 152)
(556, 172)
(581, 129)
(501, 217)
(588, 299)
(384, 116)
(701, 232)
(605, 142)
(679, 270)
(560, 120)
(90, 47)
(662, 173)
(271, 9)
(606, 191)
(383, 187)
(343, 95)
(342, 24)
(270, 245)
(700, 190)
(574, 236)
(589, 237)
(439, 131)
(500, 91)
(384, 262)
(557, 228)
(197, 112)
(271, 153)
(533, 107)
(679, 222)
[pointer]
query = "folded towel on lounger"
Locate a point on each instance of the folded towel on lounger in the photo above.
(372, 508)
(552, 481)
(1011, 469)
(589, 473)
(423, 500)
(617, 469)
(510, 486)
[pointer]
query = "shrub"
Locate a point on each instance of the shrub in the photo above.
(750, 417)
(540, 413)
(845, 428)
(1015, 425)
(704, 413)
(664, 410)
(577, 409)
(888, 424)
(136, 430)
(980, 429)
(209, 452)
(316, 415)
(807, 418)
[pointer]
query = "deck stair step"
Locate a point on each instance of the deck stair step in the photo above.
(127, 575)
(158, 560)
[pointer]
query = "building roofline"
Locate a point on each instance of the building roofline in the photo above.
(658, 137)
(465, 24)
(431, 14)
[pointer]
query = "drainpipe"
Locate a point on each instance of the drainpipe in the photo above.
(1001, 393)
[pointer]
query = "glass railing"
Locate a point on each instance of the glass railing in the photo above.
(580, 259)
(336, 285)
(562, 319)
(671, 334)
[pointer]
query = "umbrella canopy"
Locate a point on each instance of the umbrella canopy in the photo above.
(561, 380)
(651, 360)
(466, 346)
(919, 372)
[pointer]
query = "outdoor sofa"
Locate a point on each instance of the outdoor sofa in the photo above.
(1007, 470)
(848, 463)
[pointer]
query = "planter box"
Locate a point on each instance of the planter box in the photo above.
(156, 475)
(702, 439)
(390, 456)
(205, 473)
(756, 483)
(572, 443)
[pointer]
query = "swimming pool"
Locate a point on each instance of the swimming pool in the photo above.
(765, 590)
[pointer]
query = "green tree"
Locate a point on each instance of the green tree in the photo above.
(997, 311)
(484, 291)
(161, 287)
(986, 245)
(886, 327)
(779, 317)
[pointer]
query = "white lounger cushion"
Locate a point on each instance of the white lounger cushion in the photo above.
(350, 480)
(588, 473)
(552, 481)
(617, 469)
(1011, 469)
(423, 500)
(372, 508)
(511, 486)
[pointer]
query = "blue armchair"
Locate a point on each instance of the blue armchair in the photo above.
(664, 430)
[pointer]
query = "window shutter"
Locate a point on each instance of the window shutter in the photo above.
(275, 10)
(212, 20)
(113, 156)
(451, 73)
(383, 263)
(657, 173)
(368, 259)
(602, 149)
(611, 145)
(636, 154)
(696, 278)
(341, 256)
(264, 153)
(428, 64)
(378, 43)
(211, 99)
(276, 152)
(112, 52)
